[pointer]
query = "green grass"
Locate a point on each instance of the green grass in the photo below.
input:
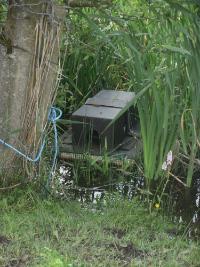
(36, 232)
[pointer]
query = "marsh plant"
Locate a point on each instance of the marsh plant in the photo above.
(151, 48)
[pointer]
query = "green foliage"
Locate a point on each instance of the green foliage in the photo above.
(3, 11)
(150, 60)
(161, 51)
(152, 48)
(90, 64)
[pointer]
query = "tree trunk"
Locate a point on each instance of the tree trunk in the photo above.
(28, 74)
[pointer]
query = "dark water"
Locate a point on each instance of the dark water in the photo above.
(84, 193)
(183, 207)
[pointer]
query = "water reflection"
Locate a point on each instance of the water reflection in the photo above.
(129, 189)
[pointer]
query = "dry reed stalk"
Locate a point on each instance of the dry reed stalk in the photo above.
(42, 87)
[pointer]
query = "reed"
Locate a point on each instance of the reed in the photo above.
(151, 49)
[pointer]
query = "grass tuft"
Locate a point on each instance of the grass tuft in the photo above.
(122, 233)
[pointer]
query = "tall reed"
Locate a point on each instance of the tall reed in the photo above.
(150, 47)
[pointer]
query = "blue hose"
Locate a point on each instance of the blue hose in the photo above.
(54, 115)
